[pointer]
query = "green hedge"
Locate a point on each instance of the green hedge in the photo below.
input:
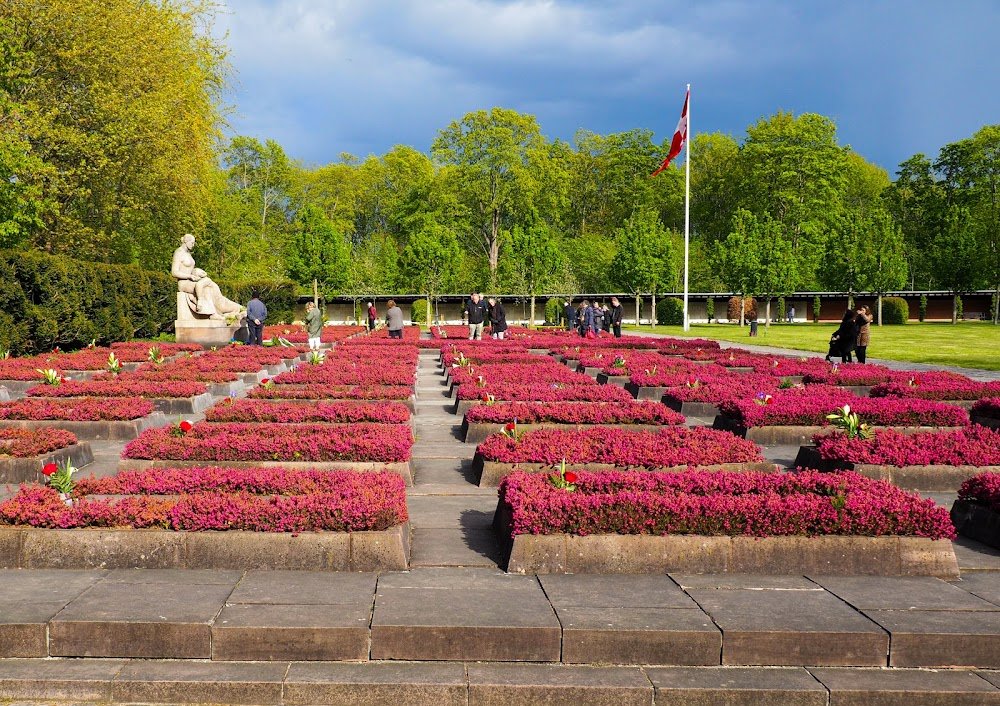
(50, 300)
(553, 312)
(895, 310)
(670, 312)
(418, 311)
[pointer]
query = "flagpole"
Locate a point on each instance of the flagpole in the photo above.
(687, 208)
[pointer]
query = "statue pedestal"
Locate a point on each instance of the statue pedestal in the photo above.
(206, 333)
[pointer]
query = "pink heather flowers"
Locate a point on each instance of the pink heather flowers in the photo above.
(983, 489)
(576, 413)
(76, 409)
(972, 446)
(712, 503)
(346, 412)
(25, 443)
(668, 447)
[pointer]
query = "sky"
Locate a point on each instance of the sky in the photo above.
(326, 77)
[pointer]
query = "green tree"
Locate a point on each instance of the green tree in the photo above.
(318, 253)
(882, 256)
(429, 259)
(737, 258)
(956, 256)
(643, 256)
(842, 269)
(492, 153)
(533, 263)
(916, 203)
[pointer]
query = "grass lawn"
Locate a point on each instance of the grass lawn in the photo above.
(969, 344)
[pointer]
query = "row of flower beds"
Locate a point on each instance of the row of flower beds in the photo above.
(612, 521)
(976, 512)
(349, 412)
(88, 418)
(25, 452)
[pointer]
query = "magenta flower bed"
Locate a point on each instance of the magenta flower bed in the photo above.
(254, 442)
(83, 409)
(924, 388)
(672, 375)
(256, 500)
(331, 392)
(24, 443)
(667, 447)
(987, 407)
(734, 387)
(167, 373)
(575, 413)
(119, 388)
(983, 489)
(720, 504)
(852, 374)
(541, 392)
(809, 407)
(299, 413)
(337, 374)
(972, 446)
(498, 375)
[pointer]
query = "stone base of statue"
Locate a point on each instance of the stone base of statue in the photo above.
(206, 332)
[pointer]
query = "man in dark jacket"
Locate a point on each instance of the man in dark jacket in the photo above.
(569, 314)
(475, 314)
(256, 315)
(617, 312)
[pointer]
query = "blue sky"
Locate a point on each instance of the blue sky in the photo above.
(323, 77)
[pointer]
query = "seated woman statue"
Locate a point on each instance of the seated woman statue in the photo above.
(204, 296)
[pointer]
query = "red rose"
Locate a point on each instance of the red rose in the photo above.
(570, 477)
(49, 469)
(511, 427)
(265, 381)
(185, 426)
(486, 397)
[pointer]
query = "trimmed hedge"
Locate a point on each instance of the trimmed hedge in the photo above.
(52, 300)
(553, 312)
(749, 309)
(895, 310)
(670, 312)
(418, 311)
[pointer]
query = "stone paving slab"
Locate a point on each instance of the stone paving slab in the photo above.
(509, 684)
(905, 687)
(292, 632)
(902, 593)
(199, 682)
(932, 638)
(975, 556)
(614, 591)
(438, 471)
(735, 686)
(985, 585)
(684, 636)
(24, 627)
(745, 581)
(451, 511)
(76, 680)
(302, 588)
(792, 628)
(377, 684)
(139, 620)
(449, 547)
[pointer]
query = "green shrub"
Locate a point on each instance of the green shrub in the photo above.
(817, 307)
(670, 312)
(895, 311)
(279, 297)
(710, 309)
(781, 309)
(923, 307)
(418, 311)
(749, 309)
(553, 312)
(959, 313)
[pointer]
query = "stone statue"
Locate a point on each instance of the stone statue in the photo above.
(203, 296)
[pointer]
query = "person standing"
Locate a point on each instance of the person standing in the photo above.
(569, 314)
(597, 319)
(581, 318)
(394, 320)
(498, 318)
(791, 315)
(314, 323)
(605, 318)
(617, 312)
(475, 314)
(844, 339)
(863, 321)
(372, 316)
(256, 316)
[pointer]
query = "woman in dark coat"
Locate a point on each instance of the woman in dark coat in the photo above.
(842, 342)
(498, 318)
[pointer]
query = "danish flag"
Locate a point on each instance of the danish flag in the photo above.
(680, 136)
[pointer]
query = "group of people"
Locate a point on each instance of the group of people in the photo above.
(590, 319)
(478, 311)
(852, 336)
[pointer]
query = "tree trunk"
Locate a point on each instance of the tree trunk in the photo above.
(636, 309)
(652, 316)
(996, 305)
(767, 314)
(494, 254)
(880, 308)
(954, 309)
(743, 310)
(315, 293)
(532, 323)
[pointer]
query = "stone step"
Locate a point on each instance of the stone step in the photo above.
(466, 684)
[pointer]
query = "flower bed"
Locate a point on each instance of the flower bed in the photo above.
(329, 334)
(331, 392)
(297, 413)
(929, 389)
(543, 392)
(80, 409)
(250, 442)
(332, 374)
(810, 407)
(987, 407)
(670, 446)
(119, 388)
(716, 522)
(25, 443)
(855, 374)
(575, 413)
(708, 503)
(976, 512)
(973, 446)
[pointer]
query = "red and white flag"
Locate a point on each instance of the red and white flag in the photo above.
(680, 136)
